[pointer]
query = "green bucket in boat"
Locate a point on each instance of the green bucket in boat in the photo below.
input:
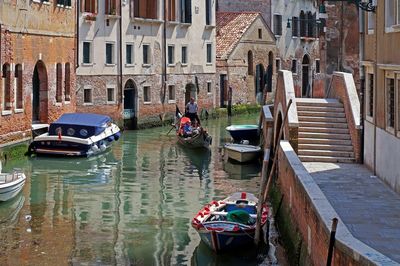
(238, 216)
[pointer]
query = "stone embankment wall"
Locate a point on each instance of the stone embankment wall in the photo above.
(304, 217)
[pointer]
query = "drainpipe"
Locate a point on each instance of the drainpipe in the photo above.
(361, 16)
(120, 55)
(77, 34)
(164, 54)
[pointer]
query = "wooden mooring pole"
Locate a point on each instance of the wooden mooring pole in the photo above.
(266, 182)
(332, 241)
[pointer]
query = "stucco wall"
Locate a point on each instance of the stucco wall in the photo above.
(369, 147)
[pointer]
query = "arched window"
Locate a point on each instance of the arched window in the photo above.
(310, 24)
(19, 87)
(6, 75)
(67, 82)
(303, 24)
(250, 67)
(59, 82)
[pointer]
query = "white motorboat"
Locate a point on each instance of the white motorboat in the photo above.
(242, 152)
(11, 184)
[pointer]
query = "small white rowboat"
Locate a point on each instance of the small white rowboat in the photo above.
(241, 152)
(11, 184)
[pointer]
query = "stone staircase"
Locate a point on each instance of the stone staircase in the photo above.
(323, 132)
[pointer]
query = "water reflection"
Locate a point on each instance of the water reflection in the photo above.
(242, 171)
(9, 210)
(132, 205)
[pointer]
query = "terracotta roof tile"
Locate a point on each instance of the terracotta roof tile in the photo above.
(230, 28)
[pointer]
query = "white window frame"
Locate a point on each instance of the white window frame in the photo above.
(90, 63)
(112, 54)
(144, 94)
(114, 94)
(212, 53)
(395, 27)
(18, 110)
(132, 53)
(149, 52)
(171, 64)
(187, 55)
(174, 90)
(390, 75)
(91, 95)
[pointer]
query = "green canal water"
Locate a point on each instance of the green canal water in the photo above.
(130, 206)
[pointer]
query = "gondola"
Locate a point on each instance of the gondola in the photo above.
(198, 137)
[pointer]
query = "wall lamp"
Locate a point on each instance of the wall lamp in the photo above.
(316, 22)
(366, 5)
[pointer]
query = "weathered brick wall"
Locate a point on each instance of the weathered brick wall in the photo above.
(28, 50)
(262, 6)
(146, 112)
(306, 213)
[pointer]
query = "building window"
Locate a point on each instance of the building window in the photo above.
(294, 66)
(303, 24)
(6, 75)
(371, 21)
(208, 12)
(278, 64)
(145, 9)
(392, 13)
(63, 3)
(390, 102)
(87, 53)
(110, 95)
(186, 11)
(310, 24)
(146, 54)
(146, 94)
(67, 81)
(112, 7)
(259, 33)
(171, 55)
(209, 87)
(184, 55)
(278, 25)
(59, 82)
(129, 54)
(209, 53)
(171, 10)
(87, 95)
(295, 26)
(109, 53)
(19, 87)
(89, 6)
(317, 66)
(171, 92)
(370, 95)
(250, 64)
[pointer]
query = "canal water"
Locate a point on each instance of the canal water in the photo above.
(130, 206)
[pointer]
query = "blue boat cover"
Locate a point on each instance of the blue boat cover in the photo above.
(79, 125)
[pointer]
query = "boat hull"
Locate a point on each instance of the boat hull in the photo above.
(243, 132)
(202, 140)
(11, 189)
(242, 153)
(224, 241)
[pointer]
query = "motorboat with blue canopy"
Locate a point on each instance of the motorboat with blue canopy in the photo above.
(77, 134)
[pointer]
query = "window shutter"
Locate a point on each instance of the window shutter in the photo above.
(188, 7)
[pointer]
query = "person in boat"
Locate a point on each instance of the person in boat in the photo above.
(191, 112)
(187, 129)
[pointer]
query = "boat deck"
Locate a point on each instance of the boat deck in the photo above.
(367, 206)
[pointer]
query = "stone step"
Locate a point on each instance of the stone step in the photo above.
(318, 102)
(324, 130)
(321, 114)
(324, 141)
(320, 109)
(323, 135)
(327, 159)
(322, 124)
(327, 153)
(326, 147)
(322, 119)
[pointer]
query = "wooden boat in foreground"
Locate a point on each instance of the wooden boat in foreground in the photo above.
(199, 137)
(241, 152)
(11, 184)
(230, 223)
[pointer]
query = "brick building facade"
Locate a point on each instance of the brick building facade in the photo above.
(37, 60)
(137, 63)
(245, 50)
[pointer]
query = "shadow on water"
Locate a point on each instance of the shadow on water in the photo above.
(242, 171)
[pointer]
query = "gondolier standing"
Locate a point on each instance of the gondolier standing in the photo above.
(191, 111)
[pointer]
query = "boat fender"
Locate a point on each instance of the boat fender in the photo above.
(215, 203)
(103, 147)
(95, 148)
(243, 195)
